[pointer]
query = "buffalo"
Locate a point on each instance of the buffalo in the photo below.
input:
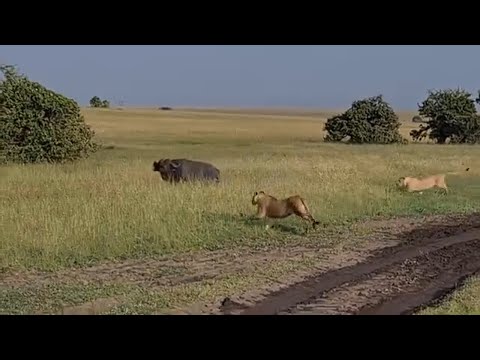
(167, 172)
(177, 170)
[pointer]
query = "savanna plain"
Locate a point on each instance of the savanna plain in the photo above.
(106, 235)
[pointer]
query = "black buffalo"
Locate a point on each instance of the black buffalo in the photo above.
(167, 172)
(176, 170)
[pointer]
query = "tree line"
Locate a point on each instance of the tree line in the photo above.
(448, 114)
(40, 125)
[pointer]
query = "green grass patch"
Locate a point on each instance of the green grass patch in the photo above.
(113, 206)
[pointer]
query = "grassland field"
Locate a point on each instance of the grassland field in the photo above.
(113, 207)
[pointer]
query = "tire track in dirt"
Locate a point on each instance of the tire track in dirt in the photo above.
(400, 288)
(361, 245)
(396, 280)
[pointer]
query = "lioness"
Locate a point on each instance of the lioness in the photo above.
(412, 184)
(270, 207)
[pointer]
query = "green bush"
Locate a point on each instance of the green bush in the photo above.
(452, 115)
(39, 125)
(96, 102)
(371, 120)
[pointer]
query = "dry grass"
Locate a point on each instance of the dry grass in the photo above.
(112, 206)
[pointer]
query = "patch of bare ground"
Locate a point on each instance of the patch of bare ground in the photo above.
(400, 288)
(382, 238)
(363, 243)
(428, 261)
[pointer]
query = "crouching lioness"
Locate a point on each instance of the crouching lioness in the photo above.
(270, 207)
(412, 184)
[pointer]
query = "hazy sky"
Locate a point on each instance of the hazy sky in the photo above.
(248, 75)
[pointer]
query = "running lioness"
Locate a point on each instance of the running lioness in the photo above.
(412, 184)
(271, 207)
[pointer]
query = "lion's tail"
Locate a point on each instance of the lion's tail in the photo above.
(457, 172)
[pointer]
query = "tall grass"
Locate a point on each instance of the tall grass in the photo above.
(113, 206)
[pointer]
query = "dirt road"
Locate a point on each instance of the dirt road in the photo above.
(396, 280)
(390, 266)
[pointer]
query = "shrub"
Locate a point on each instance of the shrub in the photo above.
(371, 120)
(96, 102)
(39, 125)
(452, 115)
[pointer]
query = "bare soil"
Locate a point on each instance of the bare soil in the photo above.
(429, 262)
(395, 267)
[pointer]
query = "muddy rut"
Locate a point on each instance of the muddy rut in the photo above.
(394, 281)
(391, 266)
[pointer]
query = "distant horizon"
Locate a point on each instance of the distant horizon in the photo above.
(248, 76)
(233, 107)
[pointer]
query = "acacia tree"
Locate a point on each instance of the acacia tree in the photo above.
(96, 102)
(39, 125)
(451, 115)
(370, 120)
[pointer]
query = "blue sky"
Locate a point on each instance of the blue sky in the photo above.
(248, 75)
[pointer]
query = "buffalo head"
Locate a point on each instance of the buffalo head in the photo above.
(166, 168)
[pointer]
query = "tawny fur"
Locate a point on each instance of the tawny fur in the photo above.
(270, 207)
(412, 184)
